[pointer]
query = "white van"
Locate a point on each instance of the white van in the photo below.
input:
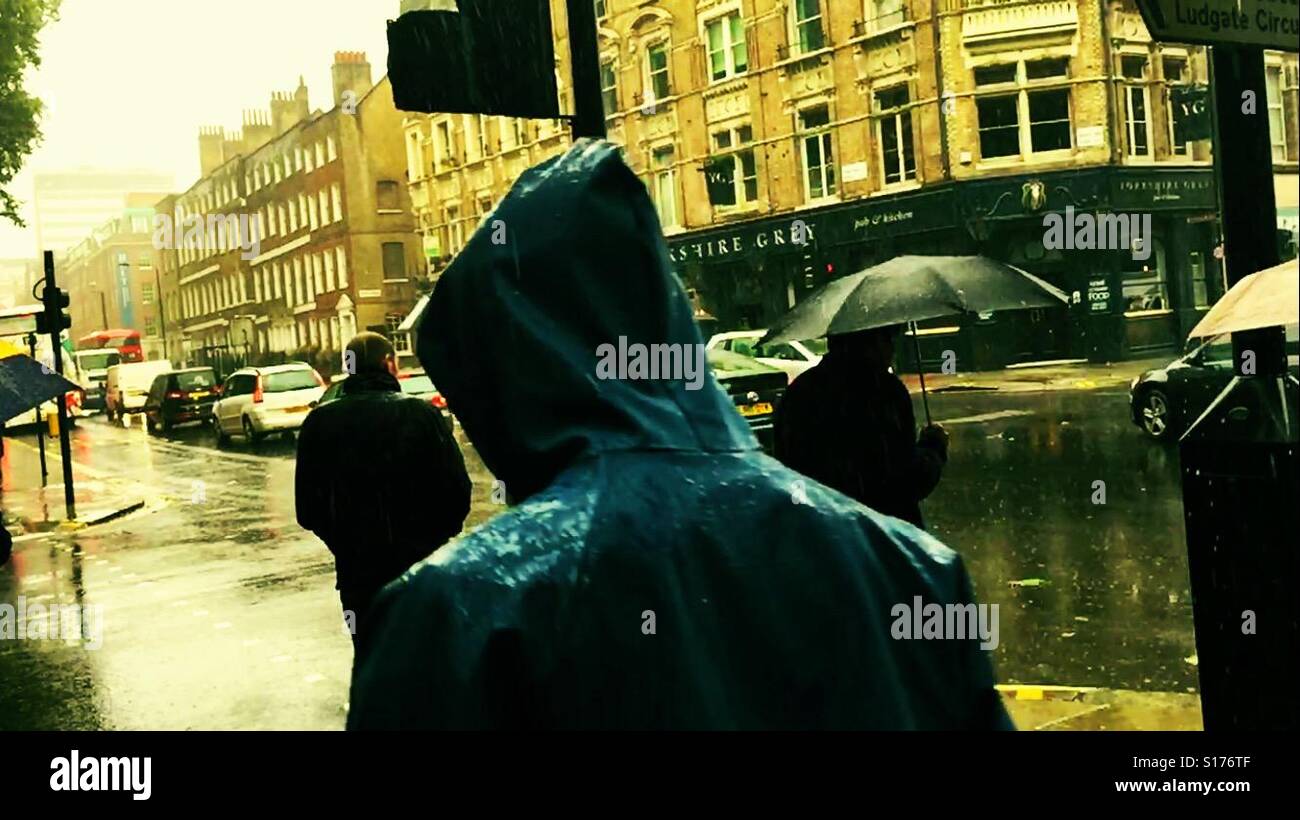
(127, 386)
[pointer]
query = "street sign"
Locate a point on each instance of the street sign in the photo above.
(1273, 24)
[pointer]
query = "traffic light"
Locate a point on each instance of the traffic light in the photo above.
(53, 320)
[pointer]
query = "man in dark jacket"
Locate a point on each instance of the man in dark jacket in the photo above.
(654, 572)
(379, 477)
(848, 423)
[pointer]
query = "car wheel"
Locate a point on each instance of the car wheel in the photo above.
(222, 438)
(252, 435)
(1157, 420)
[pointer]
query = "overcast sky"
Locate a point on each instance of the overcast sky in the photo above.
(128, 83)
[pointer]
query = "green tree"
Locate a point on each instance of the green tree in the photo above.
(20, 24)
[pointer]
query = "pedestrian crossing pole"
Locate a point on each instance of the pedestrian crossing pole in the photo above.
(40, 433)
(55, 320)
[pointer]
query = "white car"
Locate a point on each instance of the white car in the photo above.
(126, 386)
(257, 401)
(792, 357)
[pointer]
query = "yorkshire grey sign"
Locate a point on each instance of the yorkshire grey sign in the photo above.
(1265, 23)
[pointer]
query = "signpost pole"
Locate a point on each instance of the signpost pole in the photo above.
(52, 314)
(584, 54)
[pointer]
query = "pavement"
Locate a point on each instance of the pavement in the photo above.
(31, 504)
(218, 611)
(1081, 708)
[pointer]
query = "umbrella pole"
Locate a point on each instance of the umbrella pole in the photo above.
(920, 371)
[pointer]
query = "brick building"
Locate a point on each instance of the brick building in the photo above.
(326, 243)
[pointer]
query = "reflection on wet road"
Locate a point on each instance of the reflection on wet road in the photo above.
(220, 612)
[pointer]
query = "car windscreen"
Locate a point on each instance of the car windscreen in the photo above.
(417, 385)
(289, 380)
(98, 361)
(200, 380)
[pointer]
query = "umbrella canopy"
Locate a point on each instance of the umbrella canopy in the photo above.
(25, 383)
(911, 289)
(1265, 299)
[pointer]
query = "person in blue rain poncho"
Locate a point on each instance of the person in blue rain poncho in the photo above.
(656, 570)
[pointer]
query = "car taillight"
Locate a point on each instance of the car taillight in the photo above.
(257, 391)
(438, 401)
(175, 394)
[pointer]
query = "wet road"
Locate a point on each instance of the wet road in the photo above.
(219, 612)
(1089, 594)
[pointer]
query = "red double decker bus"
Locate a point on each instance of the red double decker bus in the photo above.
(125, 341)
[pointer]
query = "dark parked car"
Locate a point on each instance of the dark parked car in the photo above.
(179, 397)
(755, 388)
(1165, 401)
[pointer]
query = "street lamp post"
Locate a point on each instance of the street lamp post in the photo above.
(103, 304)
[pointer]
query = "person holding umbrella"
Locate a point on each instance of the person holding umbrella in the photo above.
(848, 423)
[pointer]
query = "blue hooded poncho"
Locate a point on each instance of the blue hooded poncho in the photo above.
(657, 570)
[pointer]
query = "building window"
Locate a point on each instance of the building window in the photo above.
(663, 186)
(657, 86)
(818, 153)
(608, 86)
(601, 9)
(455, 231)
(1200, 290)
(1137, 104)
(734, 176)
(329, 271)
(509, 136)
(342, 257)
(336, 199)
(1020, 117)
(894, 133)
(150, 326)
(886, 14)
(1276, 118)
(446, 153)
(312, 216)
(146, 293)
(317, 272)
(331, 150)
(806, 25)
(320, 154)
(394, 260)
(1146, 287)
(728, 55)
(386, 195)
(1175, 72)
(323, 199)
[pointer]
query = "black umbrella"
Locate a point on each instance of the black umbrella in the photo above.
(909, 289)
(25, 383)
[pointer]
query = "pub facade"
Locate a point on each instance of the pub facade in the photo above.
(748, 274)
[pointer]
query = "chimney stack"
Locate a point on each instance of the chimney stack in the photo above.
(351, 73)
(212, 145)
(257, 130)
